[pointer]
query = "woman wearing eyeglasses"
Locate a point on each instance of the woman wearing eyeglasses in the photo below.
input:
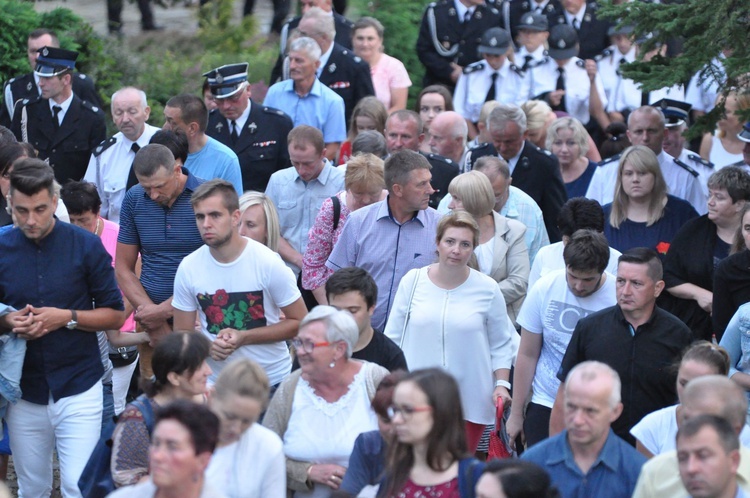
(320, 409)
(451, 316)
(429, 456)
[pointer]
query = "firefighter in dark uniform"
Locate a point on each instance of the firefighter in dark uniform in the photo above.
(552, 9)
(62, 128)
(449, 36)
(256, 133)
(25, 86)
(593, 33)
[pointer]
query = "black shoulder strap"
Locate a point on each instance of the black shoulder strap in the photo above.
(336, 211)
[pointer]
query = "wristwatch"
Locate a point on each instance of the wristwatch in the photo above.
(73, 323)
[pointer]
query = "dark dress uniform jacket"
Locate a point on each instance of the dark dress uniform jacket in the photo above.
(261, 147)
(537, 173)
(520, 7)
(24, 87)
(67, 148)
(592, 34)
(457, 41)
(348, 76)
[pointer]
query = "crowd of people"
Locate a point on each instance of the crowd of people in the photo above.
(326, 294)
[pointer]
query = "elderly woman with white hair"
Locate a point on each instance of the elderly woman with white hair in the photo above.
(539, 117)
(320, 409)
(569, 141)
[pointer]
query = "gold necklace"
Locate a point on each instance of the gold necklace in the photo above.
(98, 224)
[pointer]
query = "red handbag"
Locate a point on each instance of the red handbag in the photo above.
(498, 438)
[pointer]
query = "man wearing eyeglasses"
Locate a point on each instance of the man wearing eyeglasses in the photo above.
(256, 133)
(238, 287)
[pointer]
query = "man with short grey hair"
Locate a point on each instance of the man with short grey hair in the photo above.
(308, 101)
(110, 165)
(647, 126)
(448, 133)
(587, 458)
(534, 170)
(707, 395)
(340, 70)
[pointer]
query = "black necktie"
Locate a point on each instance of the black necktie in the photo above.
(55, 112)
(622, 61)
(132, 180)
(560, 86)
(576, 24)
(527, 62)
(235, 135)
(467, 16)
(491, 91)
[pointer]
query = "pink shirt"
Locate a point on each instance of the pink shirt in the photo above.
(322, 238)
(388, 73)
(109, 241)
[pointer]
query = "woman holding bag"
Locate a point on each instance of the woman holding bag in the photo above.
(451, 316)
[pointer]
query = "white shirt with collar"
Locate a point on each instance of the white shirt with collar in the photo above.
(538, 7)
(578, 16)
(475, 81)
(577, 86)
(514, 160)
(324, 60)
(242, 119)
(462, 9)
(109, 171)
(64, 105)
(609, 68)
(680, 183)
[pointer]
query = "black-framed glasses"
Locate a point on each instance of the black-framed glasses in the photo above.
(307, 345)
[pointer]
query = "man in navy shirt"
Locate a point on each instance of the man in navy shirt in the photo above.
(158, 222)
(587, 458)
(60, 279)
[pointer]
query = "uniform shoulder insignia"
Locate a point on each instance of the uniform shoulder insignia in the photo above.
(345, 52)
(431, 5)
(11, 80)
(481, 147)
(580, 63)
(24, 101)
(88, 105)
(494, 11)
(274, 111)
(477, 66)
(438, 157)
(104, 146)
(516, 70)
(608, 160)
(357, 59)
(82, 76)
(699, 159)
(686, 167)
(543, 151)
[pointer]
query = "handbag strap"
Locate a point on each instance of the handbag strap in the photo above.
(336, 211)
(499, 412)
(408, 310)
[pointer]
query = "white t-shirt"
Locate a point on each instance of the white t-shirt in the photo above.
(657, 431)
(550, 258)
(244, 294)
(252, 467)
(552, 310)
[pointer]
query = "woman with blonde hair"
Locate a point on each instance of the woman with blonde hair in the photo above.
(364, 185)
(259, 220)
(502, 252)
(722, 147)
(568, 140)
(539, 116)
(368, 114)
(642, 214)
(249, 459)
(450, 316)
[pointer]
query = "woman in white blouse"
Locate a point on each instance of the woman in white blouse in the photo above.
(502, 252)
(450, 316)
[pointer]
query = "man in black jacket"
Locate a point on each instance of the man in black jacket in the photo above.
(256, 133)
(63, 128)
(535, 171)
